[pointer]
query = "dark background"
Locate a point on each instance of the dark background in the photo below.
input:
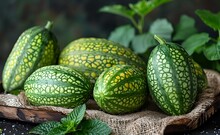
(80, 18)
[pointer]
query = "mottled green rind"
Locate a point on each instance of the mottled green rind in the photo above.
(202, 81)
(57, 86)
(172, 79)
(36, 47)
(120, 89)
(93, 55)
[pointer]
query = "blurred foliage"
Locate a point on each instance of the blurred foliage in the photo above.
(74, 19)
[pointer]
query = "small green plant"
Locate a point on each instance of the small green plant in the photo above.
(73, 123)
(134, 36)
(201, 46)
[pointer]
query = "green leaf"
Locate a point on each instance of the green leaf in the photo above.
(163, 28)
(212, 52)
(143, 7)
(60, 130)
(142, 42)
(75, 117)
(123, 35)
(140, 8)
(195, 41)
(118, 10)
(68, 124)
(45, 128)
(93, 127)
(185, 28)
(210, 19)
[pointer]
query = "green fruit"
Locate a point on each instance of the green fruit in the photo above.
(36, 47)
(93, 55)
(57, 86)
(172, 78)
(120, 89)
(202, 81)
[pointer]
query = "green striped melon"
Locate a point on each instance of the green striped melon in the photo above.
(172, 78)
(36, 47)
(93, 55)
(120, 89)
(57, 85)
(202, 81)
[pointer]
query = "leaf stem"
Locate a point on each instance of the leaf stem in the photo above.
(141, 24)
(134, 23)
(138, 24)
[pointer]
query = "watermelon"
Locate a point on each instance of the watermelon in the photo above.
(57, 85)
